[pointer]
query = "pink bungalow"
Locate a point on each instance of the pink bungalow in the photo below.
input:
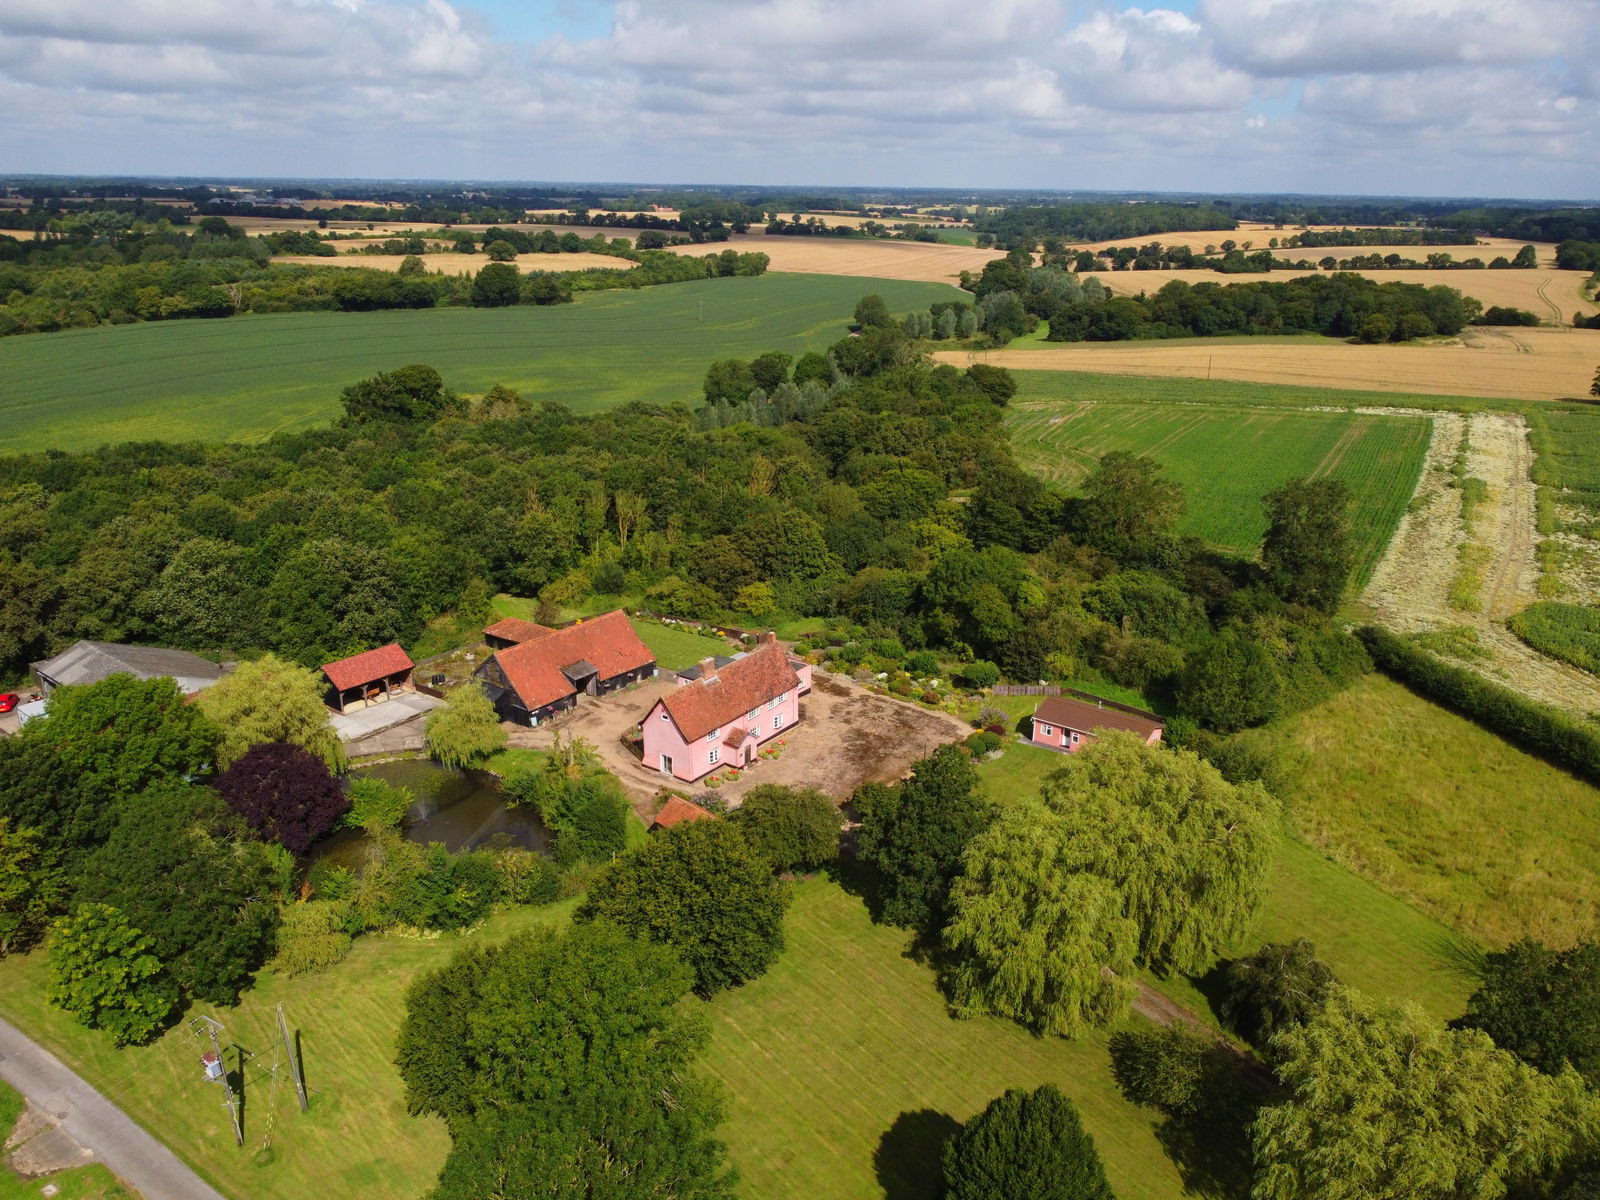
(721, 718)
(1069, 723)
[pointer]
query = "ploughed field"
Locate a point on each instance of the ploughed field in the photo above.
(248, 377)
(1227, 457)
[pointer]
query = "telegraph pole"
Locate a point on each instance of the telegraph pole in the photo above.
(294, 1059)
(214, 1028)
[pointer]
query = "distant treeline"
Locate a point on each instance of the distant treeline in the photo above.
(147, 274)
(1549, 225)
(1339, 305)
(1029, 227)
(1315, 238)
(1013, 296)
(1237, 259)
(1575, 255)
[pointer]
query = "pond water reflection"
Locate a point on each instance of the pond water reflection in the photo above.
(462, 809)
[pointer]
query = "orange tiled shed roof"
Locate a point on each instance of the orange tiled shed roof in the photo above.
(678, 810)
(368, 666)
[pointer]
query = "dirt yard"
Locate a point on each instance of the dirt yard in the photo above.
(846, 736)
(1519, 364)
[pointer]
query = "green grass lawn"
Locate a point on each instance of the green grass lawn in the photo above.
(1093, 385)
(1228, 457)
(357, 1140)
(847, 1038)
(247, 377)
(678, 648)
(1435, 809)
(1375, 942)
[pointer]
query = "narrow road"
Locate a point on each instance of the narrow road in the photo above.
(95, 1123)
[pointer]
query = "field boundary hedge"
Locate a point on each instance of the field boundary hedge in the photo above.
(1557, 737)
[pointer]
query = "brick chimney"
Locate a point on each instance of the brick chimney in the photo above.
(708, 670)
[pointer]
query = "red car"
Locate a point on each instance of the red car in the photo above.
(8, 701)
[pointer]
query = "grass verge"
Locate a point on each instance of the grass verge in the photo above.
(1445, 814)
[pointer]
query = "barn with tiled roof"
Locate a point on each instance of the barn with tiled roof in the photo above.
(533, 680)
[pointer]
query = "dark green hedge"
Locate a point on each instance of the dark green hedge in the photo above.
(1540, 729)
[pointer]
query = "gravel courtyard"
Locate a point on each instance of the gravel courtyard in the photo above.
(846, 736)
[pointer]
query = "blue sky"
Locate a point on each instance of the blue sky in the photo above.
(1416, 97)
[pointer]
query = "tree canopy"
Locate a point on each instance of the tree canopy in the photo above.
(103, 972)
(183, 870)
(1277, 987)
(285, 794)
(700, 888)
(269, 700)
(562, 1063)
(792, 828)
(1385, 1105)
(1031, 937)
(915, 832)
(1186, 850)
(1025, 1144)
(466, 730)
(1541, 1004)
(1307, 552)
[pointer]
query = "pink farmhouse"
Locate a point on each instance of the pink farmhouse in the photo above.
(722, 717)
(1067, 723)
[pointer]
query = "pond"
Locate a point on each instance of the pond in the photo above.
(462, 809)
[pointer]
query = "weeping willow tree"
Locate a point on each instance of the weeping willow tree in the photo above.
(1386, 1105)
(1045, 947)
(466, 730)
(1132, 854)
(1186, 850)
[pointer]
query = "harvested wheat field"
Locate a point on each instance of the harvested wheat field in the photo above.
(1550, 294)
(931, 262)
(1259, 235)
(1522, 364)
(451, 263)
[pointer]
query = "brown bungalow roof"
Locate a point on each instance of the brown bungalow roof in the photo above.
(1086, 718)
(368, 667)
(607, 642)
(515, 629)
(678, 810)
(699, 707)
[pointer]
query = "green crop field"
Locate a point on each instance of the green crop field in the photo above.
(1228, 457)
(248, 377)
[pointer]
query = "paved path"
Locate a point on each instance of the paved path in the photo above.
(95, 1123)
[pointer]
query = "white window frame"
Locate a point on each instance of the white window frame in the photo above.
(1047, 730)
(666, 716)
(754, 714)
(713, 735)
(1075, 737)
(777, 720)
(715, 755)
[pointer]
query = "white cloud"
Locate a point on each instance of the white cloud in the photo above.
(1244, 95)
(1299, 37)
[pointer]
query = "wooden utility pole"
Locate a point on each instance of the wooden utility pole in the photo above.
(294, 1059)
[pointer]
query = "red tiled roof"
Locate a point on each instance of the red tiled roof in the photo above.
(1071, 713)
(533, 669)
(699, 707)
(515, 629)
(368, 666)
(678, 810)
